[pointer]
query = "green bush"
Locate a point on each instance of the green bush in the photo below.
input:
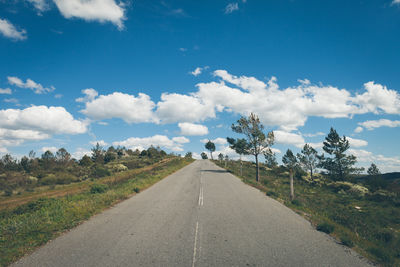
(136, 190)
(325, 227)
(346, 241)
(271, 194)
(296, 202)
(385, 236)
(381, 254)
(99, 172)
(98, 188)
(8, 192)
(58, 178)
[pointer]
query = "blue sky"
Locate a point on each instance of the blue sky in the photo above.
(173, 73)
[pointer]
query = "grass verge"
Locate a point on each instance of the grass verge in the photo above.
(27, 226)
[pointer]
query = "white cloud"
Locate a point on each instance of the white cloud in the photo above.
(314, 134)
(182, 49)
(356, 142)
(20, 135)
(370, 125)
(183, 108)
(358, 129)
(156, 140)
(396, 2)
(181, 140)
(282, 137)
(10, 31)
(93, 10)
(192, 129)
(40, 5)
(30, 84)
(119, 105)
(231, 7)
(47, 119)
(52, 149)
(217, 141)
(198, 71)
(80, 152)
(100, 142)
(6, 91)
(385, 164)
(90, 95)
(11, 100)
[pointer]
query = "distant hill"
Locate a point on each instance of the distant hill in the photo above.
(386, 176)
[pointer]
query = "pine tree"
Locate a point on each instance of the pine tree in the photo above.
(308, 159)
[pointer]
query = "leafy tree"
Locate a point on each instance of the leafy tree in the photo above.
(48, 159)
(24, 162)
(203, 155)
(270, 160)
(257, 141)
(220, 157)
(110, 156)
(373, 170)
(241, 147)
(339, 166)
(308, 159)
(63, 156)
(85, 161)
(98, 153)
(291, 163)
(188, 155)
(210, 146)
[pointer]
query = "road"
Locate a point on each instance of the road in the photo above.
(199, 216)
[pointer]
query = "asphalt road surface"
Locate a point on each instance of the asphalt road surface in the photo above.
(199, 216)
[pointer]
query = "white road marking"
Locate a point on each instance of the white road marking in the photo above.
(195, 244)
(201, 195)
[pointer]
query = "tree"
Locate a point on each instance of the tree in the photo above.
(85, 161)
(290, 162)
(63, 156)
(188, 155)
(210, 146)
(339, 166)
(203, 155)
(220, 157)
(257, 141)
(270, 160)
(308, 159)
(98, 153)
(226, 160)
(373, 170)
(241, 147)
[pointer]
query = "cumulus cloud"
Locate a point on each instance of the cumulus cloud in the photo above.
(16, 135)
(6, 91)
(372, 124)
(52, 149)
(217, 141)
(100, 142)
(384, 163)
(282, 137)
(192, 129)
(90, 95)
(10, 31)
(119, 105)
(198, 71)
(181, 140)
(30, 84)
(93, 10)
(359, 129)
(356, 142)
(80, 152)
(162, 141)
(395, 2)
(231, 7)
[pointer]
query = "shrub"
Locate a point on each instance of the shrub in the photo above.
(58, 178)
(99, 172)
(117, 167)
(136, 190)
(271, 194)
(98, 188)
(385, 236)
(381, 254)
(346, 241)
(296, 202)
(325, 227)
(8, 192)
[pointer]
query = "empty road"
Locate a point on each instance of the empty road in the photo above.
(199, 216)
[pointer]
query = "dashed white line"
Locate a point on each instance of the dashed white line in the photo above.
(195, 244)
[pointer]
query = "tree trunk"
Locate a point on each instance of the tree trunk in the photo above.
(257, 171)
(211, 155)
(241, 165)
(291, 185)
(311, 171)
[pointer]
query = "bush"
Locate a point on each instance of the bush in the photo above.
(325, 227)
(271, 194)
(98, 188)
(8, 192)
(381, 254)
(99, 172)
(136, 190)
(58, 178)
(296, 202)
(346, 241)
(385, 236)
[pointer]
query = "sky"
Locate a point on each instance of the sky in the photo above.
(175, 74)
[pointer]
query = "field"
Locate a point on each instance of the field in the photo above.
(30, 219)
(363, 214)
